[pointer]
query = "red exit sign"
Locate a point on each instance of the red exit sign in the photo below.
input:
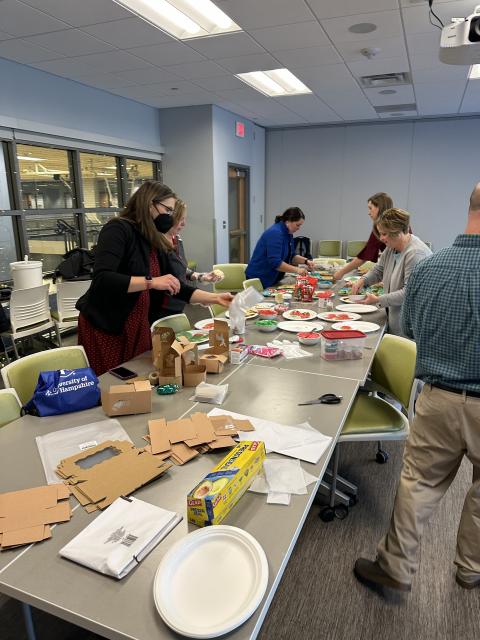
(239, 129)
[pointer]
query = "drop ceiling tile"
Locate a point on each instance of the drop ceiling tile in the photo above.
(401, 94)
(148, 75)
(252, 14)
(25, 52)
(197, 70)
(79, 13)
(166, 102)
(5, 36)
(309, 107)
(162, 89)
(245, 64)
(167, 53)
(71, 42)
(241, 96)
(415, 18)
(113, 61)
(328, 77)
(220, 83)
(471, 98)
(292, 36)
(66, 67)
(128, 33)
(20, 19)
(350, 105)
(389, 48)
(104, 81)
(230, 44)
(419, 43)
(439, 75)
(336, 8)
(308, 57)
(376, 67)
(388, 25)
(439, 99)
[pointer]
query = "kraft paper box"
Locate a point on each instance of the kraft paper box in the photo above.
(213, 498)
(218, 339)
(127, 399)
(213, 362)
(167, 354)
(193, 371)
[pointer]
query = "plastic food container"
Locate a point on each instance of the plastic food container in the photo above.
(342, 345)
(267, 314)
(266, 325)
(308, 337)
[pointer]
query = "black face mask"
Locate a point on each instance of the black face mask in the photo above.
(163, 222)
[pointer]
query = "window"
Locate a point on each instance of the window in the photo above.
(138, 172)
(45, 178)
(94, 221)
(99, 180)
(50, 236)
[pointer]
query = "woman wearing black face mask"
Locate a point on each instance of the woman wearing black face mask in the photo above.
(130, 280)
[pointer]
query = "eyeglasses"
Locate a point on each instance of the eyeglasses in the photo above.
(168, 209)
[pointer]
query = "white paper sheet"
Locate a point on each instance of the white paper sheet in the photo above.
(121, 536)
(260, 485)
(294, 441)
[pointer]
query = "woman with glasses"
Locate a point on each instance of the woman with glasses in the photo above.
(131, 277)
(403, 251)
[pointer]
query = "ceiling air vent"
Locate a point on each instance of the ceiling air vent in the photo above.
(385, 80)
(392, 108)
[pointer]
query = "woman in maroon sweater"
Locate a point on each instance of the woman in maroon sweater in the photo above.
(377, 204)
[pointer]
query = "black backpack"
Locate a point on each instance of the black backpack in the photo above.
(303, 247)
(77, 265)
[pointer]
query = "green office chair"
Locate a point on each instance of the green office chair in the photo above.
(233, 280)
(256, 283)
(192, 264)
(9, 406)
(372, 418)
(354, 247)
(22, 374)
(216, 310)
(177, 322)
(330, 249)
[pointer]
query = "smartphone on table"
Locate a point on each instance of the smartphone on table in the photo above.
(123, 373)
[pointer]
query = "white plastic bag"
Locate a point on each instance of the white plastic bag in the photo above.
(214, 393)
(243, 300)
(290, 350)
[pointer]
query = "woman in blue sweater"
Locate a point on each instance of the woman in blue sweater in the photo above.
(274, 254)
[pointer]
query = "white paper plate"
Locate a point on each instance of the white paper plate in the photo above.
(366, 327)
(264, 305)
(291, 314)
(194, 333)
(300, 326)
(351, 278)
(327, 316)
(355, 308)
(249, 315)
(211, 581)
(207, 324)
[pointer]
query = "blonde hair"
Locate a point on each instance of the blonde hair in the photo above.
(179, 212)
(393, 222)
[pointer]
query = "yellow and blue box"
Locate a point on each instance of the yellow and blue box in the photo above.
(213, 498)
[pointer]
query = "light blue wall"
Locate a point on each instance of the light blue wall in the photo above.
(33, 100)
(429, 168)
(249, 152)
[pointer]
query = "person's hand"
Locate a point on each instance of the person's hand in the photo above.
(166, 283)
(369, 299)
(211, 276)
(225, 299)
(310, 265)
(357, 286)
(338, 275)
(301, 269)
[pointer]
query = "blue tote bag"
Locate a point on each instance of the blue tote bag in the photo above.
(64, 391)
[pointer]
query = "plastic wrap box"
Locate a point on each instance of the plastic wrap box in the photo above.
(342, 345)
(213, 498)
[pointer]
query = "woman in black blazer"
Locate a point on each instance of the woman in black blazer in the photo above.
(131, 278)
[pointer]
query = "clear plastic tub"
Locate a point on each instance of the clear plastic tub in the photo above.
(342, 345)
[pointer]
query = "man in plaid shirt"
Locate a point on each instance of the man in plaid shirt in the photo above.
(441, 312)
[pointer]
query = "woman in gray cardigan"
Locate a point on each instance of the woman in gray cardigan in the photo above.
(403, 251)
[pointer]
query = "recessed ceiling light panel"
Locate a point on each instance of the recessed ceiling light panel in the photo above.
(474, 72)
(183, 19)
(276, 82)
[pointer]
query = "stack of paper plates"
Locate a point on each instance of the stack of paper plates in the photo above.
(211, 581)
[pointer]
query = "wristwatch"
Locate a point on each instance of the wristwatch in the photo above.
(148, 282)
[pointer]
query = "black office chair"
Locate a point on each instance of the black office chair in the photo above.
(303, 247)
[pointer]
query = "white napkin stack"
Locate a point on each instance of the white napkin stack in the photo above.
(121, 537)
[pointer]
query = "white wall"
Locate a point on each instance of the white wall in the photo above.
(429, 168)
(32, 100)
(249, 152)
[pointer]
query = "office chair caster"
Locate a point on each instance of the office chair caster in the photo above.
(328, 514)
(353, 499)
(381, 456)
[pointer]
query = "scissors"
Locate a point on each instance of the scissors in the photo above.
(326, 398)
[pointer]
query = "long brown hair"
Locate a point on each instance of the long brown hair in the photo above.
(137, 211)
(383, 201)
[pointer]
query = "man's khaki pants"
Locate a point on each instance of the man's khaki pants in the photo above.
(445, 428)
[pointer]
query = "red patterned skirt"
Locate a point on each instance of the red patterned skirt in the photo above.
(106, 351)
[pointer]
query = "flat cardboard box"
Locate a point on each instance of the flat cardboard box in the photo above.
(127, 399)
(167, 352)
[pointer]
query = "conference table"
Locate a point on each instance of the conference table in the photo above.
(36, 575)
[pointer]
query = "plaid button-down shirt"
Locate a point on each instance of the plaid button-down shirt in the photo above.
(441, 312)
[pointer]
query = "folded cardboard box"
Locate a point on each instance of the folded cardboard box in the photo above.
(167, 356)
(100, 475)
(219, 345)
(214, 497)
(26, 516)
(127, 399)
(214, 362)
(193, 371)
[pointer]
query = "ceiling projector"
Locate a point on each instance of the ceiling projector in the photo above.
(460, 41)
